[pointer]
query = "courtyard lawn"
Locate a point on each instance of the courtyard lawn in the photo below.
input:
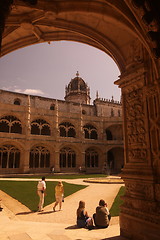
(60, 176)
(115, 209)
(25, 191)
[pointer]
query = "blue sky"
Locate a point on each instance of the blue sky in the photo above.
(45, 69)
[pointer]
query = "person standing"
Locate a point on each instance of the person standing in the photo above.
(41, 191)
(59, 195)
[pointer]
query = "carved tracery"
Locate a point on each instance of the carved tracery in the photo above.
(136, 132)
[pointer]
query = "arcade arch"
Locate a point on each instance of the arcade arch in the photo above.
(115, 160)
(117, 28)
(9, 156)
(40, 127)
(10, 124)
(39, 157)
(114, 132)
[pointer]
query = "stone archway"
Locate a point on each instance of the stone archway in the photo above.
(115, 160)
(123, 30)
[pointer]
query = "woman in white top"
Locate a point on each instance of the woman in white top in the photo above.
(59, 195)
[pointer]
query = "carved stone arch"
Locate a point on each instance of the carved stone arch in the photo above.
(92, 157)
(67, 129)
(134, 46)
(115, 159)
(17, 144)
(76, 148)
(10, 124)
(52, 106)
(42, 143)
(114, 132)
(17, 101)
(39, 157)
(90, 131)
(10, 156)
(108, 134)
(40, 126)
(70, 122)
(123, 14)
(63, 19)
(67, 158)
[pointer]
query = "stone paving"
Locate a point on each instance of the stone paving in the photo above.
(17, 222)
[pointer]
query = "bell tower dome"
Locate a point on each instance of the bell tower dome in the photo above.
(77, 91)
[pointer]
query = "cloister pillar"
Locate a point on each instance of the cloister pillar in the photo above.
(83, 159)
(25, 157)
(57, 168)
(140, 212)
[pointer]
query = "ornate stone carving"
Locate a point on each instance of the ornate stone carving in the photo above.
(146, 216)
(141, 203)
(135, 53)
(137, 155)
(142, 191)
(153, 105)
(135, 124)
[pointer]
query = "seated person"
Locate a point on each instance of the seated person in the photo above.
(83, 220)
(109, 215)
(0, 205)
(101, 217)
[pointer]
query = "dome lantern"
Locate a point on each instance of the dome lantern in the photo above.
(77, 91)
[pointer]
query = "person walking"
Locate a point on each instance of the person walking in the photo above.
(41, 191)
(59, 195)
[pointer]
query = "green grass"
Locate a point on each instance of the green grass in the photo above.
(62, 176)
(25, 191)
(115, 209)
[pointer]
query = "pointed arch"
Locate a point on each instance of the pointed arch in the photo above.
(67, 158)
(10, 124)
(9, 156)
(40, 127)
(90, 131)
(67, 129)
(39, 157)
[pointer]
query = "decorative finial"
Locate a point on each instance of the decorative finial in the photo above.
(97, 94)
(112, 99)
(77, 74)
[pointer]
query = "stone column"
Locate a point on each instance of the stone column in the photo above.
(140, 212)
(83, 159)
(27, 132)
(25, 157)
(52, 159)
(56, 162)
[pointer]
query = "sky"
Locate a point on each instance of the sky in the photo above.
(45, 69)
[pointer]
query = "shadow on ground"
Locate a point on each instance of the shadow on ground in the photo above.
(72, 227)
(25, 213)
(48, 212)
(113, 238)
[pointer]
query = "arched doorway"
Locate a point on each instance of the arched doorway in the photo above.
(123, 30)
(115, 160)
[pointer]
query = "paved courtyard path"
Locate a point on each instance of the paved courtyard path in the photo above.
(17, 221)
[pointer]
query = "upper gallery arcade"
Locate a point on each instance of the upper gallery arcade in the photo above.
(38, 133)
